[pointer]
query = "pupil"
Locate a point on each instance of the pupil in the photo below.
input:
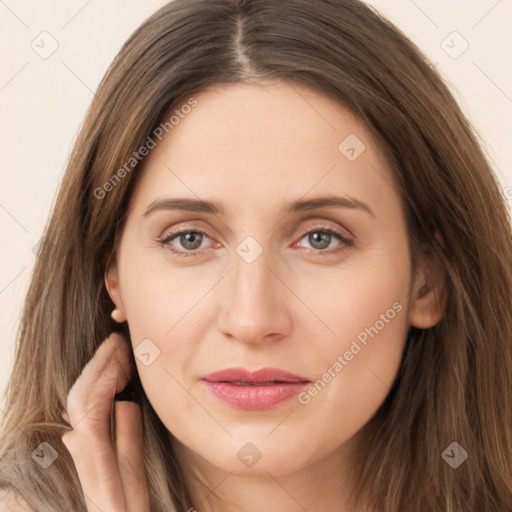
(189, 240)
(319, 237)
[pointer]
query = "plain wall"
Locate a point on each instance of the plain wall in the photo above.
(43, 99)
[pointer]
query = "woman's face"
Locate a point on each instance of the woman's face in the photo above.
(270, 275)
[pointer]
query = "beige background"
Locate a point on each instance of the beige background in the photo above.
(43, 101)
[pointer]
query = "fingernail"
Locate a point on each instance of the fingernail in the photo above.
(128, 394)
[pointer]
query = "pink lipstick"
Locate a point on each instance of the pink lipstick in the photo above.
(258, 390)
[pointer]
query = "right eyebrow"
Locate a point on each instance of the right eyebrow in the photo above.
(184, 204)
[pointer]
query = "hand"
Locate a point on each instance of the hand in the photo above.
(111, 473)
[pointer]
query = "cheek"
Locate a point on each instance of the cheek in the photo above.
(351, 297)
(158, 297)
(166, 309)
(355, 371)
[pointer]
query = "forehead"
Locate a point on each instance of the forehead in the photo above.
(246, 141)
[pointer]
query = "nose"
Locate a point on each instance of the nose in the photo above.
(255, 309)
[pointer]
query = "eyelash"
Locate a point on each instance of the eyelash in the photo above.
(346, 243)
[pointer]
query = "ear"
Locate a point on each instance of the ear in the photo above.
(428, 293)
(112, 285)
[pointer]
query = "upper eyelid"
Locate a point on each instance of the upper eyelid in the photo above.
(302, 233)
(341, 231)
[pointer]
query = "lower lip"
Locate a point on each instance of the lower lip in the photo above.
(255, 397)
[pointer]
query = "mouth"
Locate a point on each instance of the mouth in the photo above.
(258, 390)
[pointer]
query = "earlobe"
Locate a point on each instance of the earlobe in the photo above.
(118, 316)
(112, 286)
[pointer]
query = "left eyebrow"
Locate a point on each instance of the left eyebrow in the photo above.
(328, 201)
(300, 205)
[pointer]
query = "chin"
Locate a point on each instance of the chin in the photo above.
(256, 455)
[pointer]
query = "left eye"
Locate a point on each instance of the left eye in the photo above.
(321, 239)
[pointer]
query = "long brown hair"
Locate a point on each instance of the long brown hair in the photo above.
(455, 381)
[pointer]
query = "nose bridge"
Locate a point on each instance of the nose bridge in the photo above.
(251, 274)
(252, 281)
(255, 307)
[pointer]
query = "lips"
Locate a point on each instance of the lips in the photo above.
(263, 376)
(261, 389)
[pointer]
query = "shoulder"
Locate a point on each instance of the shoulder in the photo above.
(10, 501)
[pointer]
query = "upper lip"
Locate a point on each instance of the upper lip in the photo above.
(261, 375)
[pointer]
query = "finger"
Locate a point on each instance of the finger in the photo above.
(130, 456)
(90, 398)
(89, 410)
(97, 471)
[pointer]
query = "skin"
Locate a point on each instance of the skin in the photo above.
(253, 149)
(112, 477)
